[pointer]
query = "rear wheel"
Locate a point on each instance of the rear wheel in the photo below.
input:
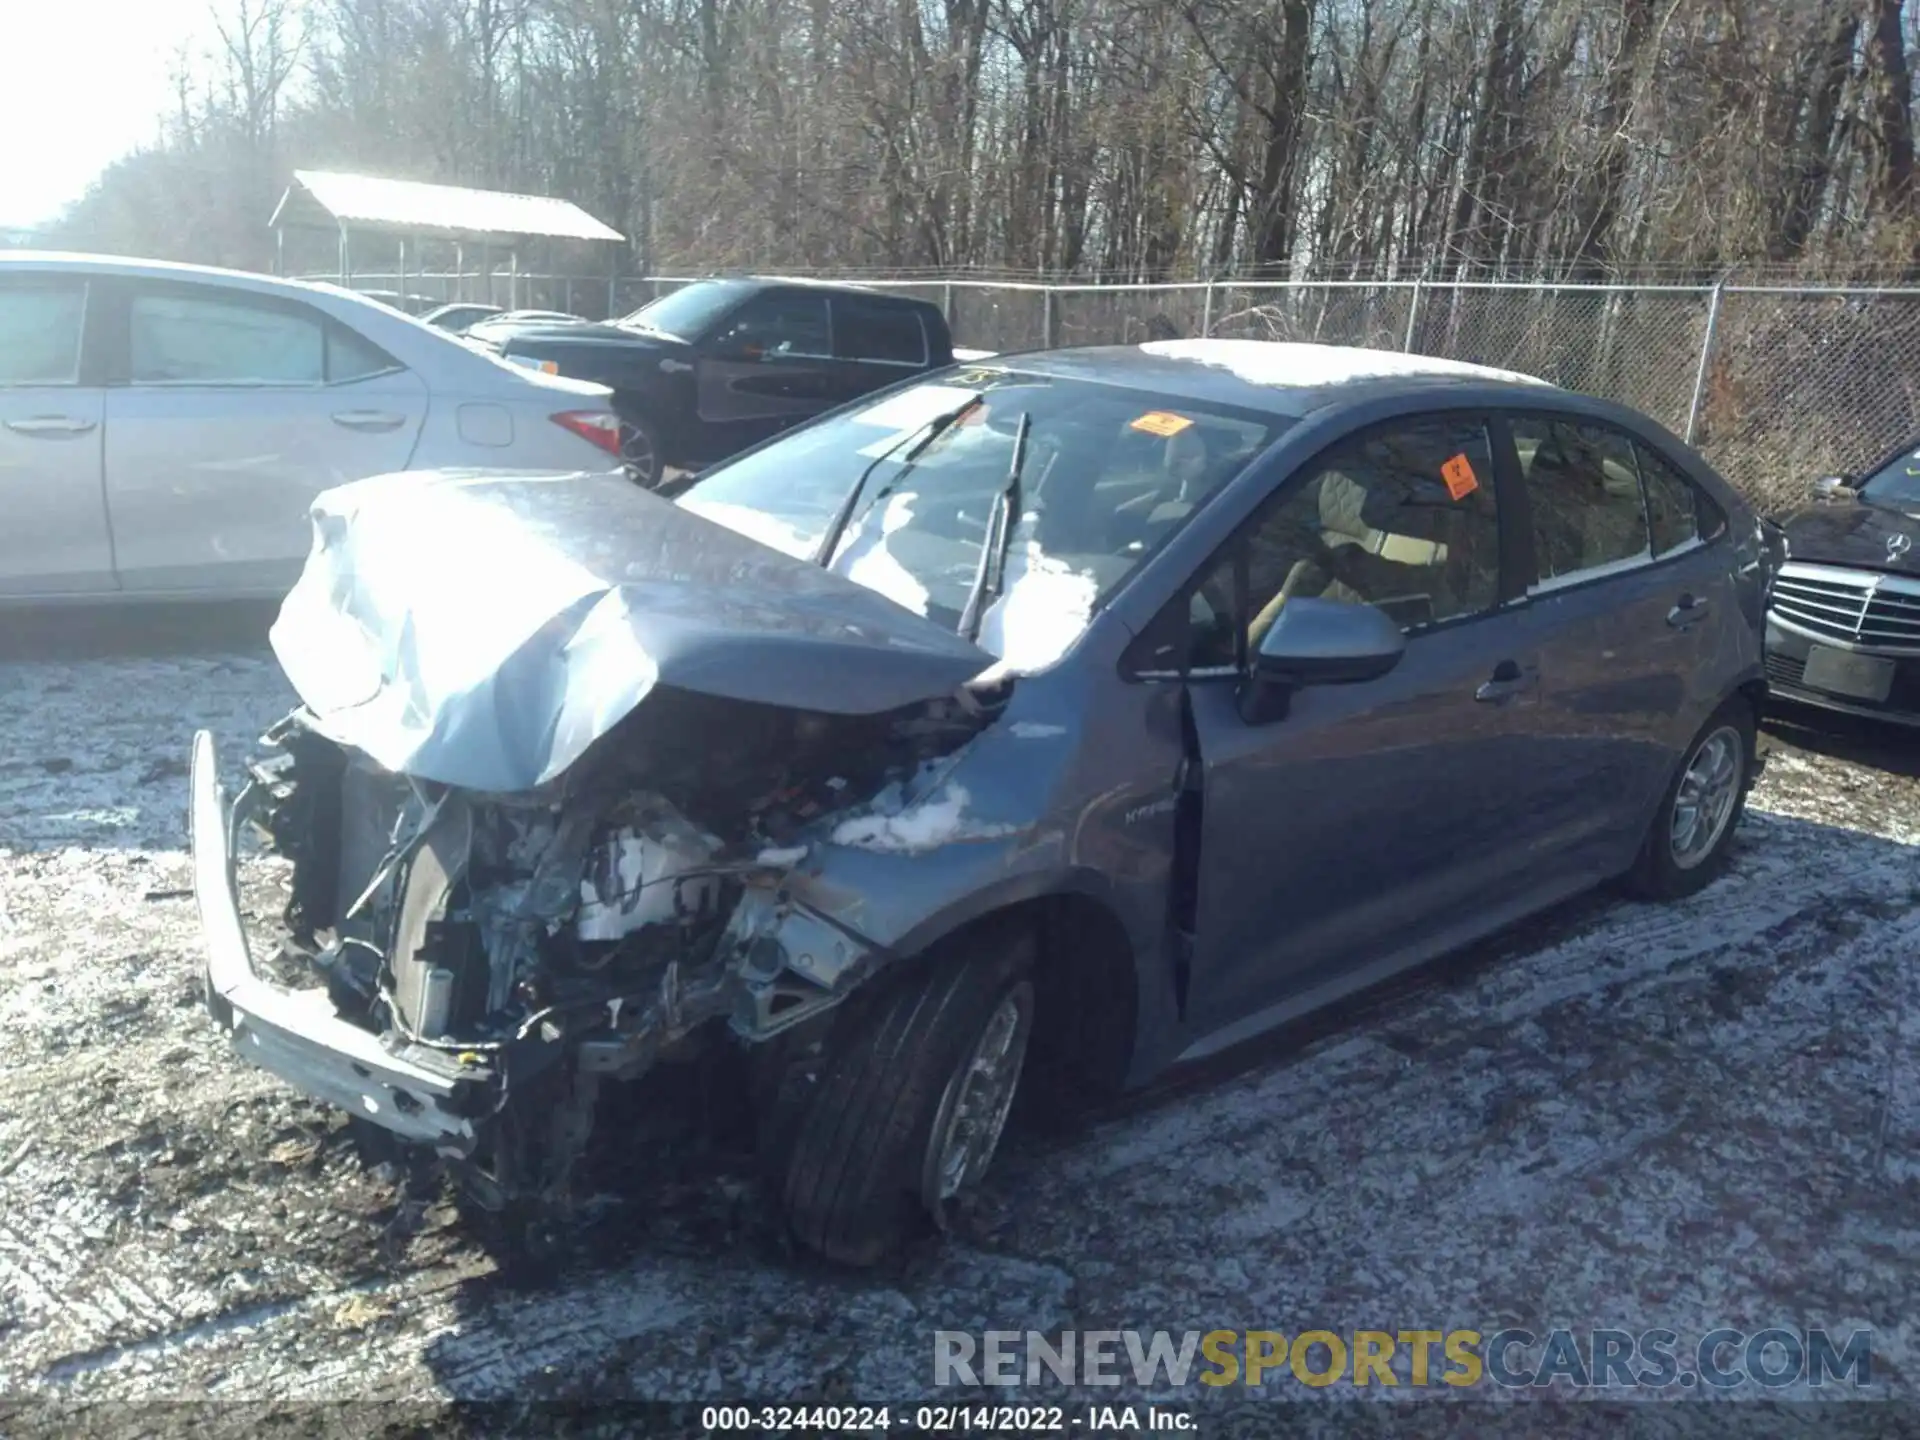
(640, 452)
(1690, 842)
(911, 1102)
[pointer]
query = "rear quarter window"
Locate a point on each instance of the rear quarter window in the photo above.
(876, 331)
(1678, 511)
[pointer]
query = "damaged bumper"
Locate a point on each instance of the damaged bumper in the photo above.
(296, 1034)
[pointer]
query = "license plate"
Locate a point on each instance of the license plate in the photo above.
(1841, 672)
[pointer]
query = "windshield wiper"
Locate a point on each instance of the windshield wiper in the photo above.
(925, 435)
(994, 545)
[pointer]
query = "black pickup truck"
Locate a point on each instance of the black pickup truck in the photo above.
(720, 365)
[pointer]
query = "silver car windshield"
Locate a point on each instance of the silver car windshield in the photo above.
(1110, 472)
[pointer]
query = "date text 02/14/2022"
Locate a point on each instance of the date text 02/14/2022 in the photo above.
(944, 1419)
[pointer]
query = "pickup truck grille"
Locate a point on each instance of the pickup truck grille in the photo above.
(1859, 608)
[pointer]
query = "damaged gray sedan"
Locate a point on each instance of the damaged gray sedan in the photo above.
(1060, 718)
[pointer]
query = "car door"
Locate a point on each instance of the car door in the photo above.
(1624, 606)
(1373, 817)
(54, 538)
(232, 410)
(767, 366)
(877, 342)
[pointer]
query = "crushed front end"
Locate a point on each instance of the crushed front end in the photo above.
(465, 969)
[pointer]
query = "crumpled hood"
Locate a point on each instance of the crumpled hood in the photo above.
(1854, 532)
(483, 630)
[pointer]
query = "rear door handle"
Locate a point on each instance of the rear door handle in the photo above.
(1507, 681)
(51, 425)
(1689, 609)
(369, 419)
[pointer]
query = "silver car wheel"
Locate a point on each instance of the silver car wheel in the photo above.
(1704, 803)
(973, 1109)
(636, 453)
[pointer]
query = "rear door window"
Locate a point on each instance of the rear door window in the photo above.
(1583, 487)
(41, 320)
(877, 332)
(182, 339)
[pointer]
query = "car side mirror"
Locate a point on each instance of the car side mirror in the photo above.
(1318, 642)
(1832, 487)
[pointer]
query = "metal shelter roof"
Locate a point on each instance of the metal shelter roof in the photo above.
(329, 199)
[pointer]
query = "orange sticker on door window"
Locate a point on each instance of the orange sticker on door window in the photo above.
(1458, 473)
(1162, 423)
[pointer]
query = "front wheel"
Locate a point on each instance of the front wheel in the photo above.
(912, 1102)
(1690, 842)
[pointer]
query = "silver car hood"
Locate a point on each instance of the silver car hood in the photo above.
(482, 630)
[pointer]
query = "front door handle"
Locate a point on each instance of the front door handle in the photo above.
(1507, 681)
(51, 425)
(369, 419)
(1689, 609)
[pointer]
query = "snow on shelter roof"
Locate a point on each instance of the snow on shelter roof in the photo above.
(324, 197)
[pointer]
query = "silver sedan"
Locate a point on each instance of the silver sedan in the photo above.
(164, 428)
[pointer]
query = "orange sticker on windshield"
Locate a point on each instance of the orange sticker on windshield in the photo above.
(1458, 473)
(1162, 423)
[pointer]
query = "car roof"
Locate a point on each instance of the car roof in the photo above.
(79, 263)
(806, 282)
(1280, 377)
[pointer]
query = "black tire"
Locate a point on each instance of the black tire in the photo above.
(1659, 873)
(861, 1175)
(640, 452)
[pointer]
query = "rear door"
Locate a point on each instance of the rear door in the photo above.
(1630, 585)
(53, 537)
(232, 410)
(877, 341)
(1374, 817)
(767, 366)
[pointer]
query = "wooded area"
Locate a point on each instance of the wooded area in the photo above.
(1111, 139)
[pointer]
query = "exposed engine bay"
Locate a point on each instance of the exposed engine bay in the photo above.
(527, 947)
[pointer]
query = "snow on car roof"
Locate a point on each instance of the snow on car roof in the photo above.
(1294, 365)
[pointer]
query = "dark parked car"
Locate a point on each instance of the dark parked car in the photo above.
(460, 316)
(416, 305)
(720, 365)
(1843, 630)
(1066, 716)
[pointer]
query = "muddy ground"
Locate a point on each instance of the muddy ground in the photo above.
(1687, 1117)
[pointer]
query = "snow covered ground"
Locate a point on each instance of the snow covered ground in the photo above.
(1620, 1115)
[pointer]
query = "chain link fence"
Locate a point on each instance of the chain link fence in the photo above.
(1775, 384)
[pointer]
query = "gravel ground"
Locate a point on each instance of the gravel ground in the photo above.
(1689, 1117)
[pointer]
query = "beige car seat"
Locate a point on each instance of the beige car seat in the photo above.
(1342, 503)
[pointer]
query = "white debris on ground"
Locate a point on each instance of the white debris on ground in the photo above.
(1620, 1115)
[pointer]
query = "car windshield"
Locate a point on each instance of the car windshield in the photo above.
(1109, 473)
(688, 311)
(1897, 482)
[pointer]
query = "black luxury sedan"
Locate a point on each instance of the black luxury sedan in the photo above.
(1843, 630)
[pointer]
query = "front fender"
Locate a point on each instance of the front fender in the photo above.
(803, 946)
